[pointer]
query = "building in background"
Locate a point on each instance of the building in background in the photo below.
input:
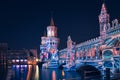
(33, 56)
(3, 53)
(23, 56)
(34, 52)
(49, 45)
(18, 56)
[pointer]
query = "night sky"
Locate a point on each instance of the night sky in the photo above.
(23, 22)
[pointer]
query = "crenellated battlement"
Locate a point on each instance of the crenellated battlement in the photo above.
(114, 29)
(115, 25)
(89, 42)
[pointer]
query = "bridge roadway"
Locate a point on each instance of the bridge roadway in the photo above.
(86, 61)
(94, 60)
(97, 63)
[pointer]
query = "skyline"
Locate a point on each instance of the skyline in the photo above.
(24, 29)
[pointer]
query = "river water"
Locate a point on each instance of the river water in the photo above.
(33, 72)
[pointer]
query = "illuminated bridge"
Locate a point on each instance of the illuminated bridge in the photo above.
(101, 52)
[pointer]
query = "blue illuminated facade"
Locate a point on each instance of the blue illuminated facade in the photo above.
(49, 46)
(101, 52)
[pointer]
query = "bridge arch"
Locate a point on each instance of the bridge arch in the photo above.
(111, 53)
(113, 41)
(88, 68)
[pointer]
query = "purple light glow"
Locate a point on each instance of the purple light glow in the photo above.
(17, 66)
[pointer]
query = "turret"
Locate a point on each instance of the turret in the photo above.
(51, 29)
(104, 21)
(69, 43)
(49, 43)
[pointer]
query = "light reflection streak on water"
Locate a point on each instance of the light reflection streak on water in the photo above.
(63, 73)
(53, 75)
(19, 72)
(29, 72)
(33, 72)
(37, 73)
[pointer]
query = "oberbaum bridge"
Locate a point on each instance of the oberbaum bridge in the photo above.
(101, 52)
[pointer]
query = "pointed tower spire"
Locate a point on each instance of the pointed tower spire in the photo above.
(103, 9)
(104, 16)
(69, 43)
(52, 29)
(69, 38)
(52, 22)
(104, 19)
(44, 33)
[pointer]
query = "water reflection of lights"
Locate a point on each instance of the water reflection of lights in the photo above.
(53, 75)
(63, 73)
(29, 72)
(21, 60)
(37, 73)
(13, 66)
(25, 65)
(19, 66)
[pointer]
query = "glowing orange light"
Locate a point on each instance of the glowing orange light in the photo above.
(53, 75)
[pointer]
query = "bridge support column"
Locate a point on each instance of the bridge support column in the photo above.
(107, 73)
(113, 66)
(83, 76)
(79, 54)
(82, 57)
(91, 53)
(97, 52)
(86, 57)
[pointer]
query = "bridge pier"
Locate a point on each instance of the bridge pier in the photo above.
(107, 73)
(89, 72)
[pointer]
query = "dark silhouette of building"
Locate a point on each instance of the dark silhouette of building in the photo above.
(22, 56)
(3, 53)
(17, 56)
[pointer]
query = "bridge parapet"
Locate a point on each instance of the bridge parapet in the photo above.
(115, 25)
(89, 42)
(115, 29)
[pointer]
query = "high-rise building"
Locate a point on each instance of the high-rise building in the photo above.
(49, 44)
